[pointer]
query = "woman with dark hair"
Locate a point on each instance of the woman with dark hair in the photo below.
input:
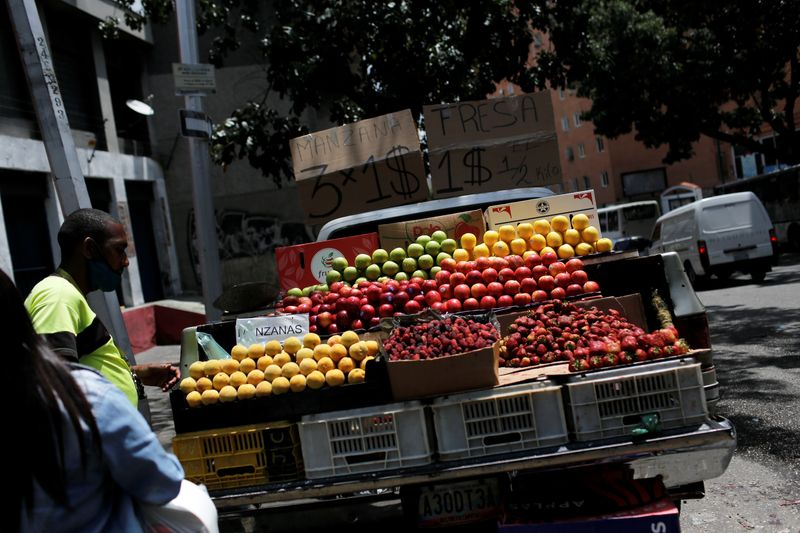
(79, 456)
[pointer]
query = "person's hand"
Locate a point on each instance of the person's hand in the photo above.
(163, 375)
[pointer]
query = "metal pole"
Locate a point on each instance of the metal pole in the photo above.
(60, 147)
(204, 218)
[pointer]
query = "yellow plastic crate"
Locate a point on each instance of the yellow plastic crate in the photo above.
(242, 456)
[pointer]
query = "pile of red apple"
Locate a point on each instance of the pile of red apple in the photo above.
(438, 338)
(587, 338)
(485, 283)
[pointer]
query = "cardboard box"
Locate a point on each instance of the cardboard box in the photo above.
(492, 145)
(569, 204)
(368, 165)
(455, 225)
(411, 380)
(307, 264)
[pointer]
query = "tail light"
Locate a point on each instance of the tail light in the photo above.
(774, 240)
(702, 249)
(694, 328)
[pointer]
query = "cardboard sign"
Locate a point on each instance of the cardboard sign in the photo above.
(492, 145)
(455, 225)
(266, 328)
(569, 204)
(364, 166)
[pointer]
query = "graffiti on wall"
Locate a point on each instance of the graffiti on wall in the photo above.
(242, 234)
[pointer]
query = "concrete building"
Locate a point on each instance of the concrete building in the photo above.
(96, 78)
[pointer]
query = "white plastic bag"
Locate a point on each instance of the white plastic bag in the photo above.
(191, 511)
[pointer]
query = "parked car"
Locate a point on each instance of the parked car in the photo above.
(637, 242)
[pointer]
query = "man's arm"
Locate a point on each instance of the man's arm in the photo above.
(162, 375)
(56, 321)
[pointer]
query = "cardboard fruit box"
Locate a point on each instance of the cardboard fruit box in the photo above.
(401, 234)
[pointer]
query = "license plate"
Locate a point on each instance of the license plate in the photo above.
(458, 503)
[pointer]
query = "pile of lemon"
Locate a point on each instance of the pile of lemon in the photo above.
(558, 235)
(265, 369)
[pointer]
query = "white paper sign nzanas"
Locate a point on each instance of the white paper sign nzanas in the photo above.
(266, 328)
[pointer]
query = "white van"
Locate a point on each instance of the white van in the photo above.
(719, 235)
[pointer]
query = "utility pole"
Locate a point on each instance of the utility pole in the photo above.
(204, 217)
(60, 147)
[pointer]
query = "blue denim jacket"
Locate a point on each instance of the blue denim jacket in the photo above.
(133, 467)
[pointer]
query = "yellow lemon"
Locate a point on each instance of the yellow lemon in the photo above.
(291, 345)
(507, 232)
(247, 391)
(481, 250)
(322, 350)
(490, 237)
(363, 365)
(297, 383)
(603, 245)
(204, 384)
(290, 369)
(263, 389)
(541, 226)
(307, 366)
(255, 377)
(197, 369)
(325, 364)
(525, 230)
(355, 376)
(565, 251)
(590, 234)
(273, 348)
(537, 242)
(519, 246)
(304, 353)
(212, 368)
(334, 377)
(334, 339)
(572, 237)
(460, 254)
(468, 241)
(372, 347)
(255, 351)
(545, 250)
(345, 364)
(209, 397)
(247, 365)
(358, 351)
(554, 239)
(500, 249)
(220, 380)
(263, 362)
(194, 399)
(310, 340)
(188, 385)
(528, 253)
(559, 223)
(238, 379)
(272, 372)
(584, 248)
(580, 221)
(239, 352)
(227, 394)
(280, 385)
(281, 359)
(337, 352)
(349, 338)
(315, 380)
(229, 366)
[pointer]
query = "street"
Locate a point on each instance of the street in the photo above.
(754, 331)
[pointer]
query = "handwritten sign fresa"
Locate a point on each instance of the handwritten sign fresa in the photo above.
(492, 145)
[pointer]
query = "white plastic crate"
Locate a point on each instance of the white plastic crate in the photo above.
(371, 439)
(506, 419)
(611, 403)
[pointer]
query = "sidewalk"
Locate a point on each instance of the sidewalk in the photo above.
(160, 411)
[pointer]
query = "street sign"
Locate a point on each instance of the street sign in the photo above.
(194, 79)
(195, 124)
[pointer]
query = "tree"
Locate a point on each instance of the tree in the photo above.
(671, 70)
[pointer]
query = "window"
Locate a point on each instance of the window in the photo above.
(576, 118)
(586, 183)
(568, 152)
(574, 184)
(604, 179)
(564, 124)
(601, 147)
(561, 94)
(581, 151)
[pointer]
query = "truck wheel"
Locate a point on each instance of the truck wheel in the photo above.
(758, 275)
(724, 274)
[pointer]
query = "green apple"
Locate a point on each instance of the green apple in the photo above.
(350, 274)
(359, 280)
(322, 287)
(362, 261)
(380, 256)
(438, 236)
(401, 276)
(390, 268)
(441, 257)
(423, 239)
(424, 262)
(339, 263)
(420, 274)
(432, 248)
(449, 245)
(409, 265)
(415, 249)
(294, 291)
(397, 255)
(333, 276)
(383, 279)
(373, 272)
(434, 270)
(306, 290)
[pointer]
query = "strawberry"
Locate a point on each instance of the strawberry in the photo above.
(579, 365)
(610, 359)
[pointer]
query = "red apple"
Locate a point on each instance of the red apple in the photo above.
(462, 292)
(558, 293)
(522, 298)
(290, 309)
(414, 288)
(528, 285)
(367, 312)
(579, 277)
(488, 302)
(514, 261)
(431, 297)
(453, 305)
(457, 278)
(448, 264)
(563, 280)
(420, 299)
(478, 291)
(304, 308)
(511, 287)
(498, 263)
(335, 286)
(546, 283)
(386, 298)
(538, 271)
(345, 291)
(374, 321)
(385, 310)
(373, 293)
(412, 307)
(473, 277)
(505, 274)
(495, 289)
(357, 324)
(464, 266)
(531, 260)
(333, 328)
(574, 289)
(522, 272)
(540, 296)
(445, 292)
(470, 304)
(574, 264)
(400, 299)
(312, 328)
(482, 263)
(439, 306)
(343, 319)
(489, 274)
(591, 286)
(505, 300)
(548, 258)
(442, 277)
(315, 310)
(557, 268)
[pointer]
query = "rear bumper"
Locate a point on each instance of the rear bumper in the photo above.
(747, 265)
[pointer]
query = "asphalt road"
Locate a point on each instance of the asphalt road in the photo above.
(755, 331)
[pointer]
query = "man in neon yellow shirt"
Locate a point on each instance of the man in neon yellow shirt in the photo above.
(92, 258)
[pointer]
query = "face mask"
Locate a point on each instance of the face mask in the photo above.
(102, 277)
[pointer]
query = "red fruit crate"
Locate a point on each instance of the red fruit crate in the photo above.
(611, 403)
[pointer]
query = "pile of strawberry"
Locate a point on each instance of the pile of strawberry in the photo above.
(437, 338)
(585, 337)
